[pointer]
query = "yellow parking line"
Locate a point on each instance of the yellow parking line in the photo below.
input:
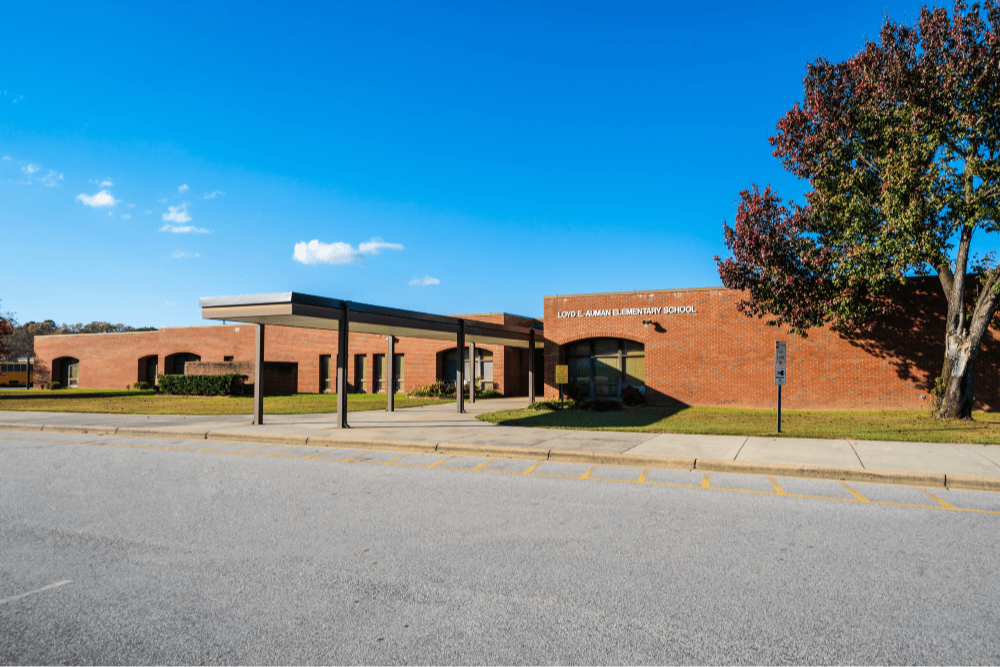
(390, 462)
(208, 449)
(253, 449)
(777, 487)
(947, 506)
(532, 468)
(642, 477)
(854, 493)
(483, 465)
(437, 463)
(704, 481)
(587, 474)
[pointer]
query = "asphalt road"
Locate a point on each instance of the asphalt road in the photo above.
(154, 552)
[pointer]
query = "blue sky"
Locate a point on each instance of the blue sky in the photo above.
(453, 158)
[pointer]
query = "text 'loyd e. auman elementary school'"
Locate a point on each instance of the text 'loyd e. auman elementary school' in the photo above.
(676, 347)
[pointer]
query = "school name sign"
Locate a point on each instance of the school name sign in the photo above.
(619, 312)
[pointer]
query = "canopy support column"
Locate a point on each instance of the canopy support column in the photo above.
(460, 372)
(531, 365)
(472, 372)
(342, 332)
(258, 375)
(390, 363)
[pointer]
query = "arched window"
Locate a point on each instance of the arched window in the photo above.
(602, 366)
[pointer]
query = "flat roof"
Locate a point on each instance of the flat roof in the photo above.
(642, 291)
(292, 309)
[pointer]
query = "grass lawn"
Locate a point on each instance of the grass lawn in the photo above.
(898, 425)
(150, 403)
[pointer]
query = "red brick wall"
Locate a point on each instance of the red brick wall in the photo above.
(719, 357)
(110, 361)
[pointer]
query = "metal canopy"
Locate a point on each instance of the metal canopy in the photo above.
(292, 309)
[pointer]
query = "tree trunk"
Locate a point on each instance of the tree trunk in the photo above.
(957, 377)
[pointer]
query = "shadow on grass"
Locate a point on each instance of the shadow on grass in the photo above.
(639, 418)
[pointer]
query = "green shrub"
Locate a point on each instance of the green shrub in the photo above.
(231, 384)
(442, 389)
(55, 385)
(632, 396)
(600, 405)
(141, 385)
(551, 405)
(438, 389)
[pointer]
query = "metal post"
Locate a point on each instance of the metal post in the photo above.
(472, 372)
(531, 365)
(258, 375)
(779, 408)
(390, 361)
(342, 332)
(460, 373)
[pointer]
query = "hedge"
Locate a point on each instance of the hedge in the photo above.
(231, 384)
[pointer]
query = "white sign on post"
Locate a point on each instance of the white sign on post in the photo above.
(779, 363)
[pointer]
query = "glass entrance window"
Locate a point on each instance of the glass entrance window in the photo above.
(73, 373)
(601, 367)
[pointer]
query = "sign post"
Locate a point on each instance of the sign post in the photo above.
(562, 377)
(779, 373)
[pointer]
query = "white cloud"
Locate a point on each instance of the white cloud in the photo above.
(184, 188)
(102, 198)
(147, 212)
(162, 201)
(316, 252)
(130, 205)
(105, 183)
(425, 281)
(177, 214)
(213, 195)
(51, 179)
(18, 99)
(183, 229)
(180, 254)
(29, 169)
(126, 216)
(7, 157)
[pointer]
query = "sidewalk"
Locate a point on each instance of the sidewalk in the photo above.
(439, 428)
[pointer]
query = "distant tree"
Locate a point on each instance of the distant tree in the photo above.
(901, 147)
(5, 331)
(20, 342)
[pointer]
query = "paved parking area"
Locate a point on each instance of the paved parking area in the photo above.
(165, 551)
(875, 494)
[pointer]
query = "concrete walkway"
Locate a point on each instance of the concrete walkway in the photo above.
(439, 427)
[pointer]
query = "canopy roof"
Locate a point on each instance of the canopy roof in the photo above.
(291, 309)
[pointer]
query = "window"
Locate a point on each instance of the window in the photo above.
(228, 357)
(378, 373)
(399, 365)
(360, 373)
(324, 373)
(602, 366)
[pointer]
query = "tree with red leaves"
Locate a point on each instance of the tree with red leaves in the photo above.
(900, 146)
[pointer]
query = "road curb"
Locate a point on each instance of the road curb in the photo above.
(973, 483)
(822, 472)
(493, 452)
(905, 478)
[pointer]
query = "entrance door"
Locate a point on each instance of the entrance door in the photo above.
(152, 365)
(73, 374)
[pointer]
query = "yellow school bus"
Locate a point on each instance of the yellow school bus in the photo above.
(16, 374)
